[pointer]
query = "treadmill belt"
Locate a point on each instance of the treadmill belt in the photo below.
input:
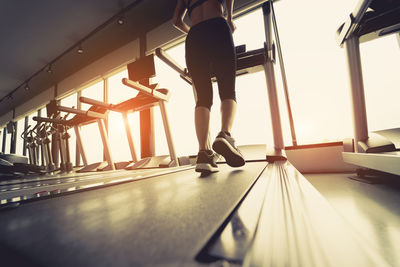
(162, 221)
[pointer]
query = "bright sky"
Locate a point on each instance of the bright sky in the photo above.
(317, 79)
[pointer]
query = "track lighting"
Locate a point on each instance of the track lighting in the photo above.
(27, 87)
(80, 49)
(121, 20)
(49, 70)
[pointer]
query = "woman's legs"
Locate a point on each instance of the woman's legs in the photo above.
(228, 111)
(209, 46)
(202, 123)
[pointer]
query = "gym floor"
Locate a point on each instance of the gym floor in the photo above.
(372, 210)
(160, 221)
(166, 220)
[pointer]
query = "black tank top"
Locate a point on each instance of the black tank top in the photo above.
(198, 3)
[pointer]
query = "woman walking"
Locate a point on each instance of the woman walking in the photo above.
(210, 49)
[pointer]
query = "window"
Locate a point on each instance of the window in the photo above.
(7, 142)
(32, 124)
(380, 63)
(91, 138)
(179, 108)
(316, 68)
(19, 139)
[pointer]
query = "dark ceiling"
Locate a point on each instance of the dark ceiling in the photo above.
(37, 33)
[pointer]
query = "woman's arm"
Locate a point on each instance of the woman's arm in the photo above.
(229, 8)
(229, 11)
(179, 14)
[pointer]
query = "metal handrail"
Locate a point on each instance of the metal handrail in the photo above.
(284, 79)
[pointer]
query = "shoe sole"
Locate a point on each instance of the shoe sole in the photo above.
(205, 168)
(231, 155)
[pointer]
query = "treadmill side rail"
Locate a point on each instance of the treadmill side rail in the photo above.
(388, 162)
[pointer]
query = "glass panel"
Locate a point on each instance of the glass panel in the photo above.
(179, 108)
(316, 68)
(20, 141)
(8, 143)
(91, 138)
(69, 101)
(95, 91)
(380, 63)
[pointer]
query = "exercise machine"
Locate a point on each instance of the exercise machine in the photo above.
(62, 138)
(140, 71)
(81, 118)
(371, 19)
(12, 164)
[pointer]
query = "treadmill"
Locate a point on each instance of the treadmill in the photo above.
(380, 150)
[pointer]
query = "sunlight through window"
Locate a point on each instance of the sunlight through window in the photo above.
(90, 133)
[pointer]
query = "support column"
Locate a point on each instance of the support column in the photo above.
(352, 48)
(26, 123)
(13, 147)
(77, 153)
(106, 145)
(55, 147)
(171, 148)
(38, 147)
(80, 150)
(147, 139)
(105, 100)
(129, 136)
(277, 153)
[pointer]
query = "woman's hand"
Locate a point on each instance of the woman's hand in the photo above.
(231, 24)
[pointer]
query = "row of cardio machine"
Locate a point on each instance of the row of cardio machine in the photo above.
(50, 134)
(48, 141)
(379, 150)
(36, 141)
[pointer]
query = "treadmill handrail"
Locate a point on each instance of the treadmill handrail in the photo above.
(95, 103)
(25, 132)
(183, 72)
(145, 89)
(88, 113)
(360, 10)
(56, 121)
(347, 29)
(170, 62)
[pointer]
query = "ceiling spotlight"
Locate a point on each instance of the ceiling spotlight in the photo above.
(27, 87)
(121, 20)
(80, 49)
(49, 70)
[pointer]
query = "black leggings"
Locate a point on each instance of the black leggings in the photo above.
(210, 50)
